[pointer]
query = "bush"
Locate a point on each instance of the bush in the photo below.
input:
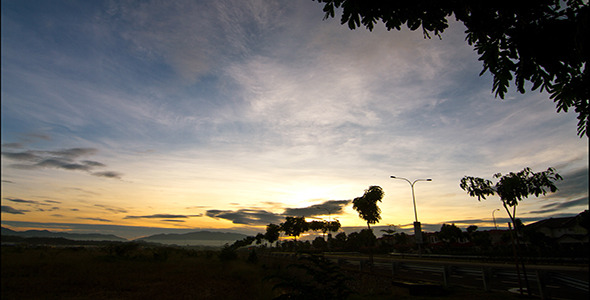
(228, 253)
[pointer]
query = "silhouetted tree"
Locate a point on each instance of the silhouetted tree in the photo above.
(332, 226)
(512, 187)
(259, 238)
(319, 243)
(317, 226)
(272, 233)
(481, 239)
(366, 205)
(471, 229)
(450, 233)
(388, 232)
(584, 219)
(544, 42)
(294, 226)
(365, 239)
(339, 241)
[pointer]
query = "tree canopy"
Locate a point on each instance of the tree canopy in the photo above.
(512, 187)
(366, 205)
(541, 44)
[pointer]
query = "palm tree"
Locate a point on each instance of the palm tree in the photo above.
(366, 205)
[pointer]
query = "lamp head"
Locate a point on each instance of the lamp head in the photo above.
(392, 176)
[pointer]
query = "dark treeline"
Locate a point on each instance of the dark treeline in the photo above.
(450, 240)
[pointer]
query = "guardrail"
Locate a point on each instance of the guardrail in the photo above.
(488, 274)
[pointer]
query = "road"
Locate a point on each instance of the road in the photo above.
(551, 281)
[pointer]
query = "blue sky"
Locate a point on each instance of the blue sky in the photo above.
(232, 114)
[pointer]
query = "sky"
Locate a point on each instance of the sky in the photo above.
(137, 117)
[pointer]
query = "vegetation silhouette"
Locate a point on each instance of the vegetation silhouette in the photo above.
(311, 277)
(512, 188)
(541, 42)
(294, 226)
(367, 207)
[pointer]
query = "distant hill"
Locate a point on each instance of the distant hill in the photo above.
(66, 235)
(196, 236)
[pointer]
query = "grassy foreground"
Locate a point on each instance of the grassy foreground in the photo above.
(133, 272)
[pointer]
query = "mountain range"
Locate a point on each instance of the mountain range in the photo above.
(66, 235)
(191, 236)
(199, 235)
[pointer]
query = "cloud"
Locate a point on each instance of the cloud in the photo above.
(163, 216)
(62, 164)
(332, 207)
(108, 174)
(111, 209)
(95, 219)
(63, 159)
(263, 217)
(555, 207)
(574, 184)
(52, 201)
(10, 210)
(7, 181)
(37, 136)
(13, 145)
(21, 156)
(93, 163)
(246, 216)
(73, 152)
(25, 201)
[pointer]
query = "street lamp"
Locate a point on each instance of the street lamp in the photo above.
(494, 217)
(329, 212)
(417, 226)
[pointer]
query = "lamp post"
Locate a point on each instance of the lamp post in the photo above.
(417, 225)
(329, 212)
(494, 217)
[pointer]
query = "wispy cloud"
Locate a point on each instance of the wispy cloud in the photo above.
(10, 210)
(95, 219)
(64, 159)
(560, 206)
(111, 209)
(246, 216)
(331, 207)
(162, 216)
(264, 217)
(17, 200)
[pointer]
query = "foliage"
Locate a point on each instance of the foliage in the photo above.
(366, 205)
(541, 42)
(272, 233)
(512, 187)
(294, 226)
(332, 226)
(338, 242)
(471, 229)
(228, 253)
(481, 239)
(311, 277)
(450, 233)
(87, 273)
(316, 225)
(584, 219)
(388, 232)
(319, 243)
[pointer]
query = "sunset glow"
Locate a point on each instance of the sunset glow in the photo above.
(234, 114)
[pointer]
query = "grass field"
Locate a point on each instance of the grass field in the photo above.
(173, 273)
